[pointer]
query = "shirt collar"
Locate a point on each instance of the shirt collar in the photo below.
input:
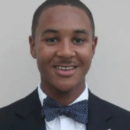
(83, 96)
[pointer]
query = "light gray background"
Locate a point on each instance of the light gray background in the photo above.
(109, 76)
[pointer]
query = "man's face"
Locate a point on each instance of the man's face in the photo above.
(63, 47)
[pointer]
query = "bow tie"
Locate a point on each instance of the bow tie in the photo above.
(77, 111)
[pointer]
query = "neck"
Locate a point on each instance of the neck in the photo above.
(63, 97)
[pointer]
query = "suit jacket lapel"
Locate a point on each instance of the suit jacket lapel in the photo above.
(28, 115)
(98, 114)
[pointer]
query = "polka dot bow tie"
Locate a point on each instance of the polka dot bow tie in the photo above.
(77, 111)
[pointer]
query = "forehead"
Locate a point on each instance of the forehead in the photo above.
(64, 18)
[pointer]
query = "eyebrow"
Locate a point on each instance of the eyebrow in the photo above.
(50, 31)
(78, 31)
(82, 31)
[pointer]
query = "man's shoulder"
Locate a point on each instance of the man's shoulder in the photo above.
(104, 112)
(118, 113)
(10, 113)
(7, 114)
(115, 109)
(10, 110)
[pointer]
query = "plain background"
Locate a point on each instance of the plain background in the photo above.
(109, 76)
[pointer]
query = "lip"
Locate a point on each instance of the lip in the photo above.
(66, 65)
(67, 73)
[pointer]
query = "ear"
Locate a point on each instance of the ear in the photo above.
(32, 47)
(94, 44)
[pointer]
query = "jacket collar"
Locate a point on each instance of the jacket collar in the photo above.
(28, 114)
(98, 113)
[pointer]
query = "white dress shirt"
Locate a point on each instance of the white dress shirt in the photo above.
(64, 122)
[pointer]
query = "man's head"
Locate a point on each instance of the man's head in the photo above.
(52, 3)
(63, 43)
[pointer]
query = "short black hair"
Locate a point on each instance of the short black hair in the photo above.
(52, 3)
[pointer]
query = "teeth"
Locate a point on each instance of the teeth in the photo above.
(64, 68)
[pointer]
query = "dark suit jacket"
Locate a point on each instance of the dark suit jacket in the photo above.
(26, 115)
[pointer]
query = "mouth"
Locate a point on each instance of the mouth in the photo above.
(65, 71)
(65, 68)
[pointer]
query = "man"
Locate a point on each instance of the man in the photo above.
(63, 42)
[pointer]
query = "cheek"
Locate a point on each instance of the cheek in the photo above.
(44, 52)
(45, 55)
(86, 53)
(43, 49)
(86, 57)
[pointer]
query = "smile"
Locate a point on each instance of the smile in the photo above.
(65, 68)
(65, 71)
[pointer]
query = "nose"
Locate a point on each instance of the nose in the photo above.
(66, 50)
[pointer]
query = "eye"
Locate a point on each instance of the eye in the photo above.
(52, 40)
(78, 40)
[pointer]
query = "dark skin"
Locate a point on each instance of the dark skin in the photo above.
(63, 38)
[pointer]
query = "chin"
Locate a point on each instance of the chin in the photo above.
(65, 86)
(64, 89)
